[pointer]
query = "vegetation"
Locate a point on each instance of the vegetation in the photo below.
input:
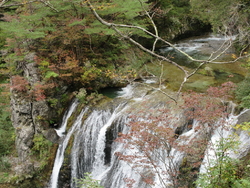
(223, 171)
(88, 182)
(154, 143)
(230, 17)
(41, 149)
(95, 44)
(6, 129)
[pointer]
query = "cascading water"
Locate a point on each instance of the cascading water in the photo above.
(200, 45)
(94, 149)
(61, 131)
(60, 151)
(227, 132)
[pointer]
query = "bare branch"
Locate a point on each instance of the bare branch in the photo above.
(3, 2)
(2, 5)
(153, 23)
(225, 46)
(160, 90)
(228, 62)
(46, 3)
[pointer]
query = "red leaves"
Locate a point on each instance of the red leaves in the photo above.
(208, 107)
(19, 84)
(38, 92)
(147, 136)
(35, 92)
(129, 182)
(224, 91)
(151, 138)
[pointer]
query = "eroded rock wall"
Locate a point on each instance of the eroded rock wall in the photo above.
(29, 117)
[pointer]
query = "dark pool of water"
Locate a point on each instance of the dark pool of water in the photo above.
(111, 92)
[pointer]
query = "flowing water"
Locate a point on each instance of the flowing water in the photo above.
(61, 149)
(94, 149)
(202, 48)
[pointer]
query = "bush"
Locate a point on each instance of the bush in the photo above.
(243, 93)
(88, 182)
(4, 164)
(6, 129)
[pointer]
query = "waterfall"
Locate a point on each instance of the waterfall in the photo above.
(61, 131)
(60, 151)
(90, 142)
(94, 149)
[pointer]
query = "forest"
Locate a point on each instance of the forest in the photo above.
(53, 52)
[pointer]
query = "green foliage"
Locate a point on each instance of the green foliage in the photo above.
(88, 182)
(222, 170)
(243, 183)
(2, 40)
(243, 93)
(81, 95)
(119, 12)
(50, 74)
(53, 102)
(4, 164)
(244, 126)
(41, 149)
(230, 16)
(6, 129)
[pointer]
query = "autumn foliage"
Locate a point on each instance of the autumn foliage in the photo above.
(158, 145)
(36, 91)
(19, 84)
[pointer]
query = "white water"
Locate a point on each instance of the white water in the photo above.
(99, 163)
(225, 132)
(88, 150)
(93, 136)
(197, 44)
(61, 149)
(61, 131)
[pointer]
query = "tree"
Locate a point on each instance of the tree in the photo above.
(60, 19)
(231, 17)
(166, 154)
(46, 28)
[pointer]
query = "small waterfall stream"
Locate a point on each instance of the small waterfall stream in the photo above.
(61, 130)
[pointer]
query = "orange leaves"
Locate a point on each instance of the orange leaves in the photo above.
(234, 56)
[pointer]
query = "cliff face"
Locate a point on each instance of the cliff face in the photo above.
(29, 117)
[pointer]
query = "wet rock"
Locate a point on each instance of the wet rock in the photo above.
(245, 117)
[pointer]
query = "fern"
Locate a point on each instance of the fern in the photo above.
(50, 74)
